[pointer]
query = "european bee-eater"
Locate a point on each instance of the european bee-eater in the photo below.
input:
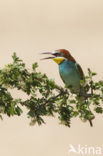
(70, 71)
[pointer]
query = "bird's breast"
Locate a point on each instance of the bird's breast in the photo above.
(69, 74)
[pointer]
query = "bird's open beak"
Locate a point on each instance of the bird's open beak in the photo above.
(56, 59)
(51, 57)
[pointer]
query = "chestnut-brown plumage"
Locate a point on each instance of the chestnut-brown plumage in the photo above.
(65, 53)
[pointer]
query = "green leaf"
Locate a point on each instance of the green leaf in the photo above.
(34, 66)
(99, 110)
(15, 58)
(18, 110)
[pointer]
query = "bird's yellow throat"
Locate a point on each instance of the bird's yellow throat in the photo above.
(58, 60)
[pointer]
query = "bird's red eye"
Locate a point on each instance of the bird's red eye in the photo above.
(58, 54)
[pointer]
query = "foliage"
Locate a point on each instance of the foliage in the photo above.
(45, 97)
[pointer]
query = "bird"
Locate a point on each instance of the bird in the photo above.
(70, 71)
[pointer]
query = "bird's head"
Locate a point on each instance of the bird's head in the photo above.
(60, 55)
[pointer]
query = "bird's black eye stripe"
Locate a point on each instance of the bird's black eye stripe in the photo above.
(57, 54)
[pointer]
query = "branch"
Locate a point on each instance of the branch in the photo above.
(45, 97)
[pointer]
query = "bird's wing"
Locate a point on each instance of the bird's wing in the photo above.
(80, 71)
